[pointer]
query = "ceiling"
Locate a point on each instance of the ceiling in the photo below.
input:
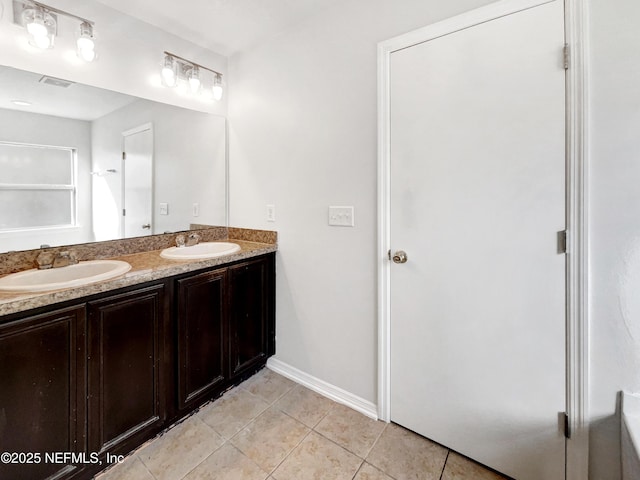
(77, 101)
(223, 26)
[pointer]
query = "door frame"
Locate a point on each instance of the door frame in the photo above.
(127, 133)
(576, 145)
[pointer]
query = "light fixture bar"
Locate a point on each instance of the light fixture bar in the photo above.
(189, 62)
(47, 8)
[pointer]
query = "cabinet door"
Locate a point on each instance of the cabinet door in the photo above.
(201, 333)
(42, 392)
(126, 380)
(250, 314)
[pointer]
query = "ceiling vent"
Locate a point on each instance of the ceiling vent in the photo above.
(56, 82)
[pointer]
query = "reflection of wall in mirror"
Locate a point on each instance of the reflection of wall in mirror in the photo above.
(25, 127)
(189, 166)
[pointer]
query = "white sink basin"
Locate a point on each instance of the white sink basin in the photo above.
(200, 251)
(82, 273)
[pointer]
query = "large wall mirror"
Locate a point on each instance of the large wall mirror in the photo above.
(81, 164)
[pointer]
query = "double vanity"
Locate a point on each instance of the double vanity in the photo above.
(92, 372)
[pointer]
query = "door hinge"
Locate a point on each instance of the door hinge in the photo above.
(562, 242)
(567, 427)
(124, 155)
(389, 254)
(124, 212)
(566, 56)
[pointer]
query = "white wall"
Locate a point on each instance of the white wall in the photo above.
(302, 133)
(130, 53)
(189, 165)
(615, 223)
(303, 136)
(24, 127)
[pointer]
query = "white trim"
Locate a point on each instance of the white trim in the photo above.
(576, 24)
(328, 390)
(459, 22)
(140, 128)
(577, 204)
(384, 235)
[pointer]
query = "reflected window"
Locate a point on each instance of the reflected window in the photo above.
(37, 186)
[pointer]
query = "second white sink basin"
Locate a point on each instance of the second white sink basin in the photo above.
(82, 273)
(200, 251)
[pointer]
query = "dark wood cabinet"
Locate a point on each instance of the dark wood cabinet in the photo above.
(105, 375)
(251, 326)
(201, 336)
(126, 401)
(42, 392)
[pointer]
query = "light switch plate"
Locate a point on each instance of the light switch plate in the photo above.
(341, 216)
(164, 209)
(271, 213)
(196, 209)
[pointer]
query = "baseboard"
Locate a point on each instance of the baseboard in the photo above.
(323, 388)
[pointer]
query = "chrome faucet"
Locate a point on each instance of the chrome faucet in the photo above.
(63, 259)
(192, 239)
(188, 241)
(46, 260)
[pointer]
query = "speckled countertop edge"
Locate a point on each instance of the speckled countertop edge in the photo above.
(145, 267)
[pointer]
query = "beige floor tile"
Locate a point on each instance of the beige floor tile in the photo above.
(350, 429)
(179, 450)
(369, 472)
(231, 413)
(131, 469)
(462, 468)
(227, 463)
(317, 458)
(268, 385)
(269, 438)
(404, 455)
(305, 405)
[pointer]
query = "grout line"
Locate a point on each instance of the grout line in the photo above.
(358, 470)
(250, 459)
(444, 465)
(292, 450)
(145, 466)
(376, 440)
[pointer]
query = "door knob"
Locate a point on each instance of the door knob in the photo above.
(400, 257)
(146, 225)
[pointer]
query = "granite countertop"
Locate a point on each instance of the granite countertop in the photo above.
(145, 267)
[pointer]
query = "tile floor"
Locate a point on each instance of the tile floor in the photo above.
(270, 428)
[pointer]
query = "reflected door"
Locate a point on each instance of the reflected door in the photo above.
(477, 199)
(137, 190)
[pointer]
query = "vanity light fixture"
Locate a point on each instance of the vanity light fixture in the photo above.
(86, 43)
(175, 68)
(217, 87)
(41, 22)
(169, 71)
(194, 79)
(41, 26)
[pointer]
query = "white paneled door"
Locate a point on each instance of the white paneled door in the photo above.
(477, 194)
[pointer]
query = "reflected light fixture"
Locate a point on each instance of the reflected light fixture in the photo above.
(175, 68)
(41, 23)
